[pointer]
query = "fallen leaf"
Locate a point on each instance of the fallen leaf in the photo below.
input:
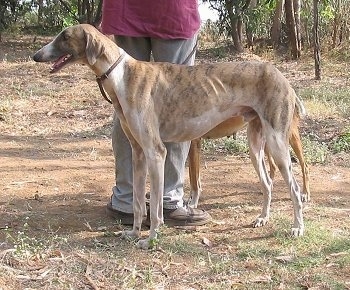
(331, 265)
(88, 226)
(284, 259)
(218, 222)
(42, 275)
(237, 285)
(262, 279)
(338, 254)
(207, 242)
(24, 277)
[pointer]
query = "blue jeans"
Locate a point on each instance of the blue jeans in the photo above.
(162, 50)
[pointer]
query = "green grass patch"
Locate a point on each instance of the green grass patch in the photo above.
(342, 142)
(327, 100)
(28, 246)
(5, 107)
(316, 236)
(340, 53)
(181, 244)
(315, 151)
(297, 259)
(226, 145)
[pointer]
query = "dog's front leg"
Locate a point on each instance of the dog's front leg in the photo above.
(155, 161)
(139, 181)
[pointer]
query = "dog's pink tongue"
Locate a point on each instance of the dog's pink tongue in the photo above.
(58, 64)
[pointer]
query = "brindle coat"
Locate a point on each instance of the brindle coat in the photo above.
(162, 102)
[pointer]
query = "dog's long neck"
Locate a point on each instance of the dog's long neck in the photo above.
(111, 53)
(109, 70)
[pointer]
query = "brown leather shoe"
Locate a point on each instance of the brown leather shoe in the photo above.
(185, 216)
(182, 216)
(122, 217)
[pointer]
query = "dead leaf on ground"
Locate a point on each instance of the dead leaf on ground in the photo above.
(207, 242)
(261, 279)
(284, 258)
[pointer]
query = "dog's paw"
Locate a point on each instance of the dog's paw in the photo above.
(130, 235)
(149, 243)
(297, 232)
(192, 203)
(305, 197)
(260, 222)
(144, 244)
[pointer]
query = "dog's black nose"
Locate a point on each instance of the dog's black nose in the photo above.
(36, 57)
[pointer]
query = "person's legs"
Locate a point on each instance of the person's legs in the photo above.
(122, 197)
(181, 51)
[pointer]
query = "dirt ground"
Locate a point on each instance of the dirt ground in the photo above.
(64, 182)
(57, 168)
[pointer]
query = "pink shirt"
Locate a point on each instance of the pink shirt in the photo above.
(166, 19)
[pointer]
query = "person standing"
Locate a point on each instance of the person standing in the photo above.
(165, 31)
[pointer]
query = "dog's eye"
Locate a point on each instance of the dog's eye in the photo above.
(65, 35)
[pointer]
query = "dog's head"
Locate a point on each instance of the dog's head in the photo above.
(77, 43)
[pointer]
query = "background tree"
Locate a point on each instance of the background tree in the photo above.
(84, 11)
(244, 22)
(292, 28)
(10, 12)
(47, 16)
(317, 56)
(340, 30)
(231, 14)
(277, 23)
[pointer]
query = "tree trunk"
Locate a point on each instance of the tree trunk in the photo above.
(236, 27)
(336, 24)
(307, 37)
(292, 29)
(317, 56)
(276, 24)
(40, 11)
(98, 15)
(235, 34)
(296, 7)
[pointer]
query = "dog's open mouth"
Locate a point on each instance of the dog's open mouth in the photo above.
(61, 62)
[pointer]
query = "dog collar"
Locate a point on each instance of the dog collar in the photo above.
(104, 76)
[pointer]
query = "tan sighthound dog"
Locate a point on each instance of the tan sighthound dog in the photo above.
(230, 127)
(162, 102)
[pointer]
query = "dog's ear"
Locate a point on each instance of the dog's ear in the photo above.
(94, 49)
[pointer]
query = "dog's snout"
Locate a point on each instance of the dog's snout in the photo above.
(43, 54)
(36, 56)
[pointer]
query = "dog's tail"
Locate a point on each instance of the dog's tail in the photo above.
(300, 109)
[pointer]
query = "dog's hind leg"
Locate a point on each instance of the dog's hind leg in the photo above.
(194, 172)
(256, 151)
(272, 165)
(295, 143)
(279, 149)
